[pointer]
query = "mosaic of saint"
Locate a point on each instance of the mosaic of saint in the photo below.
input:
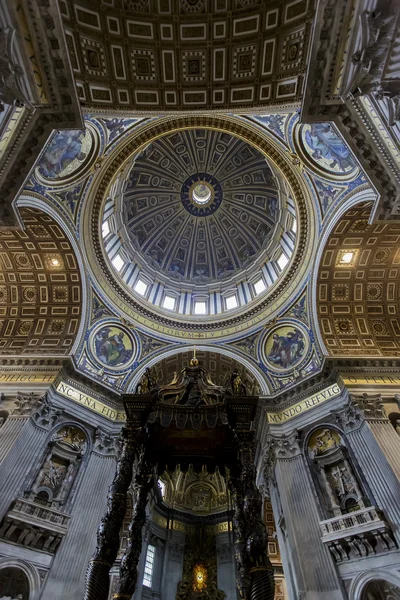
(113, 346)
(65, 154)
(326, 148)
(285, 347)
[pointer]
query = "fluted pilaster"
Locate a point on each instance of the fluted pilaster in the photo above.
(23, 456)
(384, 484)
(315, 572)
(384, 432)
(10, 432)
(24, 406)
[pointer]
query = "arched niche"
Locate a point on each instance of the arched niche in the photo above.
(219, 362)
(339, 487)
(379, 589)
(60, 466)
(14, 584)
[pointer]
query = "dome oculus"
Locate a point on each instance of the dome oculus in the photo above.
(201, 193)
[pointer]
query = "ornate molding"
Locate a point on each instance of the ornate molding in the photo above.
(348, 418)
(45, 416)
(285, 446)
(26, 404)
(372, 407)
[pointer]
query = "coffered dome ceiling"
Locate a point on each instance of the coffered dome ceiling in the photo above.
(199, 223)
(200, 206)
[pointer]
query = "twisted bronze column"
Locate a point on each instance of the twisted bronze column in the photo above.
(108, 540)
(143, 482)
(255, 578)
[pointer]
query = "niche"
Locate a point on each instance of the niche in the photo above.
(59, 468)
(336, 480)
(13, 584)
(381, 590)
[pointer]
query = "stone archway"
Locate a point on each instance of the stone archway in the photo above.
(14, 584)
(379, 589)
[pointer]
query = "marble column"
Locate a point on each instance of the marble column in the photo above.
(67, 575)
(314, 572)
(374, 465)
(27, 450)
(384, 432)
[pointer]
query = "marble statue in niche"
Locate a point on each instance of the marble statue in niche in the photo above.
(59, 467)
(336, 480)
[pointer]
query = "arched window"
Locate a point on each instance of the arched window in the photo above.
(13, 584)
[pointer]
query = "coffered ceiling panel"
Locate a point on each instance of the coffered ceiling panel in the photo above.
(168, 55)
(358, 291)
(40, 288)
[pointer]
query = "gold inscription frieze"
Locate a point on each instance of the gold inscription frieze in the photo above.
(304, 405)
(93, 404)
(27, 377)
(368, 380)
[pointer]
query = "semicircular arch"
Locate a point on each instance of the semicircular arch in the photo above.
(249, 366)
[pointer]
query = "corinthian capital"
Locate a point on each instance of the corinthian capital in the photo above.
(26, 403)
(105, 444)
(285, 446)
(371, 406)
(349, 417)
(46, 415)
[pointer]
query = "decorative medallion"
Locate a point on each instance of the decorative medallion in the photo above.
(113, 346)
(323, 441)
(285, 347)
(325, 151)
(68, 154)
